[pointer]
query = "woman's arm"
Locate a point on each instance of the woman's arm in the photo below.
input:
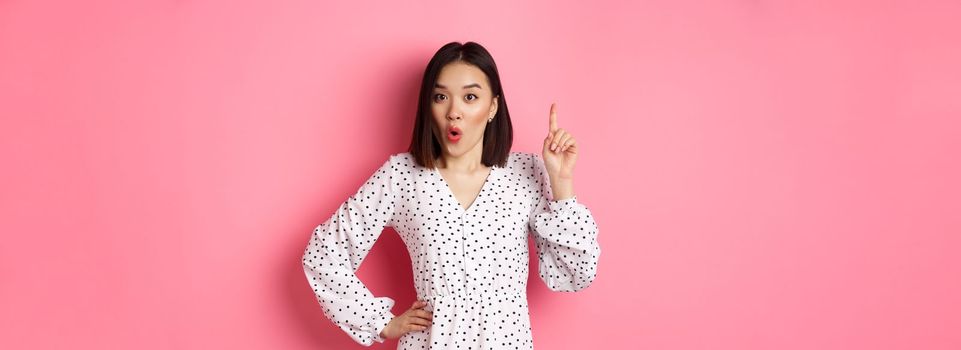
(565, 234)
(336, 249)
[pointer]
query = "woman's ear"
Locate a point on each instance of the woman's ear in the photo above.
(494, 106)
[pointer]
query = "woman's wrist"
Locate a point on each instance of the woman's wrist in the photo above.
(382, 330)
(562, 188)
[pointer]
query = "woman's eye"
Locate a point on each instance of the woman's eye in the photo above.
(471, 95)
(438, 97)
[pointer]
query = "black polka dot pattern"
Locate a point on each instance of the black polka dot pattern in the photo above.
(470, 265)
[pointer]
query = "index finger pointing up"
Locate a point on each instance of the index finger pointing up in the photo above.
(553, 125)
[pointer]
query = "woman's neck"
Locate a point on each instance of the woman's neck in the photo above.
(467, 162)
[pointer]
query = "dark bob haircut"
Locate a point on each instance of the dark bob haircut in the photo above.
(498, 134)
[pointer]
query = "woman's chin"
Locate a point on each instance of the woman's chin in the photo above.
(452, 150)
(455, 149)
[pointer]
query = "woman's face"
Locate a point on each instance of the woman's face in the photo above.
(461, 104)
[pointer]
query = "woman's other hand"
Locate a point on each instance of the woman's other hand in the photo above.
(414, 319)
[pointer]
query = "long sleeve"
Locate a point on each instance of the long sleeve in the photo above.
(336, 249)
(565, 235)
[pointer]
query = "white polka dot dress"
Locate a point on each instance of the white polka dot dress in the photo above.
(471, 266)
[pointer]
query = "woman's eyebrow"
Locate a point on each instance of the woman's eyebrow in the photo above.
(465, 86)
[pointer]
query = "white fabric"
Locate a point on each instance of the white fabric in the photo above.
(471, 266)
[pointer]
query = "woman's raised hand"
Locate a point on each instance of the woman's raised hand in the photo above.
(560, 150)
(414, 319)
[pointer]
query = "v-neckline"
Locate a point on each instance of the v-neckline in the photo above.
(450, 191)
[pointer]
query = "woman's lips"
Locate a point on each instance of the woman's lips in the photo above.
(454, 134)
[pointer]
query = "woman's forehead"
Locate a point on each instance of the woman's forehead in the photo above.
(457, 75)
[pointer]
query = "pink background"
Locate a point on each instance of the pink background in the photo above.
(765, 175)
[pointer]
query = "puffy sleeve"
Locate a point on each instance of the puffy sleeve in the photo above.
(565, 235)
(336, 249)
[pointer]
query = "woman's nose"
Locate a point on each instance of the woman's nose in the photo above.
(453, 116)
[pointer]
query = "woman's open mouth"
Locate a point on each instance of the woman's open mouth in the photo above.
(453, 134)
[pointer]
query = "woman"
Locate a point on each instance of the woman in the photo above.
(463, 204)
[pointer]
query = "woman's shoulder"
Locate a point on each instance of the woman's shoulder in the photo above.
(523, 159)
(402, 160)
(401, 155)
(516, 160)
(525, 165)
